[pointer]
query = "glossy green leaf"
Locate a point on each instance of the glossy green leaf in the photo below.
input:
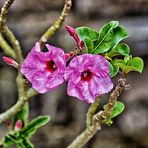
(106, 39)
(120, 50)
(34, 125)
(127, 58)
(119, 33)
(118, 109)
(137, 64)
(106, 29)
(86, 32)
(114, 69)
(131, 64)
(88, 44)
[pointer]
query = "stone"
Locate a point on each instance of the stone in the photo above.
(35, 5)
(107, 8)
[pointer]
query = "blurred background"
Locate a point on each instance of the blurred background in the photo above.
(29, 19)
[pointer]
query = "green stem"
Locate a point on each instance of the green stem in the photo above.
(24, 113)
(6, 48)
(92, 109)
(7, 32)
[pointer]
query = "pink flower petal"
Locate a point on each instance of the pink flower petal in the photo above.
(88, 77)
(36, 68)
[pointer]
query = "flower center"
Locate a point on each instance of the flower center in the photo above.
(51, 66)
(86, 75)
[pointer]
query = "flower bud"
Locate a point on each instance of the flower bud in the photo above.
(11, 62)
(18, 125)
(74, 34)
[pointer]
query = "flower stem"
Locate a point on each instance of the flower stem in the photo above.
(51, 31)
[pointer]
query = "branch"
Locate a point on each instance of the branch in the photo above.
(51, 31)
(92, 109)
(18, 106)
(98, 118)
(6, 48)
(113, 98)
(6, 31)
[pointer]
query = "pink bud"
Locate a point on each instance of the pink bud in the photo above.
(70, 29)
(11, 62)
(18, 125)
(73, 33)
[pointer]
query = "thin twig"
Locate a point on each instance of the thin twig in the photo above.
(6, 48)
(51, 31)
(7, 32)
(98, 118)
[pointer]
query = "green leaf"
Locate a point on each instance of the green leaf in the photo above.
(118, 109)
(114, 69)
(121, 49)
(105, 40)
(127, 58)
(137, 64)
(119, 33)
(131, 64)
(14, 138)
(7, 141)
(31, 128)
(89, 44)
(25, 144)
(86, 32)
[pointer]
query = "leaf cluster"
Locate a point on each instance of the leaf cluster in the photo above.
(22, 137)
(107, 42)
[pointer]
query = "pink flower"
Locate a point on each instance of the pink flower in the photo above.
(88, 77)
(44, 70)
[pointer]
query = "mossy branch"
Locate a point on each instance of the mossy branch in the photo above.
(51, 31)
(7, 32)
(98, 118)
